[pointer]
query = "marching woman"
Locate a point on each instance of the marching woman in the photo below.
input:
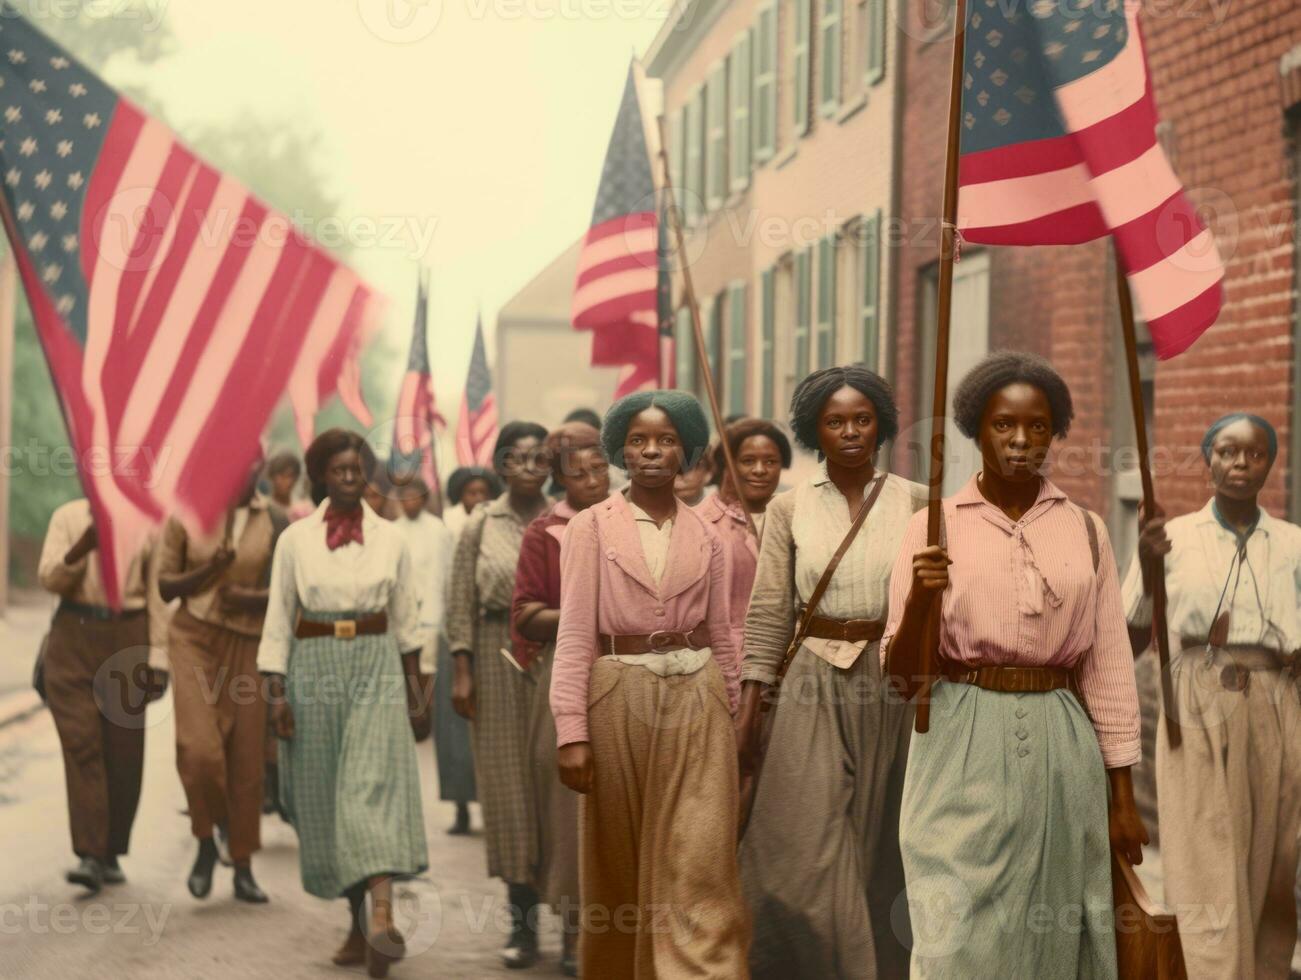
(221, 581)
(1006, 827)
(579, 467)
(341, 648)
(643, 688)
(1230, 793)
(761, 451)
(489, 687)
(467, 488)
(820, 858)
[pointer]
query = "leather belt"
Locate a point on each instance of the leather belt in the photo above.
(101, 613)
(1009, 680)
(850, 630)
(661, 641)
(1239, 662)
(342, 629)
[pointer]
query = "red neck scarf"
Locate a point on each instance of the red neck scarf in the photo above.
(342, 526)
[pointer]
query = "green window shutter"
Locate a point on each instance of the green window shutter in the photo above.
(825, 336)
(677, 132)
(693, 183)
(870, 316)
(716, 124)
(714, 342)
(803, 311)
(739, 84)
(829, 28)
(764, 105)
(684, 350)
(736, 360)
(767, 341)
(875, 41)
(801, 65)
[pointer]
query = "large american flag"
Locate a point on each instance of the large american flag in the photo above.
(174, 308)
(616, 294)
(476, 429)
(1059, 146)
(417, 419)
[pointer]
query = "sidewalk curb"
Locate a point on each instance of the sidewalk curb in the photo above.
(19, 707)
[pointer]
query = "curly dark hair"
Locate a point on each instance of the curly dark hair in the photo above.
(742, 429)
(465, 475)
(511, 435)
(325, 447)
(812, 393)
(1004, 368)
(282, 462)
(681, 407)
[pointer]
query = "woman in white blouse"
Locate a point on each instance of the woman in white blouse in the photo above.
(341, 647)
(1230, 792)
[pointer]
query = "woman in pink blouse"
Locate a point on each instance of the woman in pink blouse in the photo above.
(1006, 827)
(643, 689)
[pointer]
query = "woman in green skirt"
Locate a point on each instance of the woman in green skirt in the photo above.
(341, 649)
(1006, 826)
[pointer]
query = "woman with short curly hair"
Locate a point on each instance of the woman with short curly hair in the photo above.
(820, 859)
(1021, 789)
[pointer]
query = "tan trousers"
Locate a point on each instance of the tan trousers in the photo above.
(95, 685)
(220, 729)
(1230, 808)
(660, 888)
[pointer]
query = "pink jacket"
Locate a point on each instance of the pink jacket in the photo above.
(742, 551)
(606, 587)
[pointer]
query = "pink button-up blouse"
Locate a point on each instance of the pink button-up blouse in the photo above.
(1024, 593)
(606, 587)
(741, 549)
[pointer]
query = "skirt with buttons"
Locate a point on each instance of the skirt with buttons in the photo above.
(1004, 838)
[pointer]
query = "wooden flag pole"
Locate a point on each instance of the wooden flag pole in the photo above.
(944, 311)
(1154, 573)
(702, 352)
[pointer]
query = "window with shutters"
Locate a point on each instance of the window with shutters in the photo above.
(801, 65)
(767, 342)
(713, 325)
(763, 106)
(824, 336)
(803, 311)
(684, 350)
(736, 348)
(872, 39)
(716, 138)
(829, 51)
(739, 84)
(677, 149)
(869, 289)
(693, 179)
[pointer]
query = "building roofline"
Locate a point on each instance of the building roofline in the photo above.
(687, 24)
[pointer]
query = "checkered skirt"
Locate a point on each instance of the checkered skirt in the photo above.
(349, 776)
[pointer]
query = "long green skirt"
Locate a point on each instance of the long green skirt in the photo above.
(1005, 842)
(349, 776)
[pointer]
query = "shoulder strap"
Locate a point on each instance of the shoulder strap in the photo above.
(819, 590)
(1095, 545)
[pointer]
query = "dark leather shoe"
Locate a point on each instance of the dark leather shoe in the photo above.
(89, 874)
(462, 825)
(200, 880)
(222, 839)
(113, 873)
(246, 889)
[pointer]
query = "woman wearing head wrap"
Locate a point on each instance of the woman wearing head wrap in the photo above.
(340, 640)
(820, 859)
(488, 686)
(1230, 793)
(642, 691)
(579, 467)
(1020, 791)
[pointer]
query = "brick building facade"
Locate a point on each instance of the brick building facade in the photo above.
(1228, 88)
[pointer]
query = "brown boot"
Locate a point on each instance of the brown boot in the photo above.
(353, 950)
(384, 945)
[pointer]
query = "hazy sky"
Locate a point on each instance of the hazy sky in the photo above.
(481, 123)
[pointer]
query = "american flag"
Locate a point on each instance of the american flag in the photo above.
(174, 308)
(616, 294)
(1059, 146)
(417, 415)
(476, 429)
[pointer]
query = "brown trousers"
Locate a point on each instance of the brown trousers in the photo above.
(660, 887)
(220, 729)
(94, 677)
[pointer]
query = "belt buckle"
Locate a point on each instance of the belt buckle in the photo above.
(1235, 678)
(659, 640)
(345, 629)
